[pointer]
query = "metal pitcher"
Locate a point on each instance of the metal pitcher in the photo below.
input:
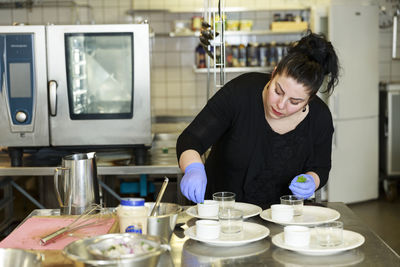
(77, 188)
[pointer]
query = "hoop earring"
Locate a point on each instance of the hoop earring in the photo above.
(304, 109)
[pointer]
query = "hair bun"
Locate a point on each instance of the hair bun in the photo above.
(315, 47)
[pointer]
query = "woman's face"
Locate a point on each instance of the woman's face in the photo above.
(285, 96)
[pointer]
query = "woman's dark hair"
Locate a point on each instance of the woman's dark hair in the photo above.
(309, 61)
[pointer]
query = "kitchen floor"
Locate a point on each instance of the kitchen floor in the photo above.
(383, 217)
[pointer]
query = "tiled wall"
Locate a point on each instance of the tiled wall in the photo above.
(175, 88)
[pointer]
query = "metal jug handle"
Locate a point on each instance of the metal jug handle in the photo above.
(56, 170)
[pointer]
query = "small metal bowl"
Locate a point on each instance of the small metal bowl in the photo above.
(81, 251)
(11, 257)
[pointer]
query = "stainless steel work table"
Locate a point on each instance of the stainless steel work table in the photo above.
(187, 252)
(191, 253)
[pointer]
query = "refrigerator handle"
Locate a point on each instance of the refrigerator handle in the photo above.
(53, 97)
(394, 40)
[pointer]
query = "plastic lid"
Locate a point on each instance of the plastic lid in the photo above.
(132, 201)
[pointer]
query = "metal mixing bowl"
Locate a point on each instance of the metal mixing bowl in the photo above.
(79, 251)
(164, 221)
(11, 257)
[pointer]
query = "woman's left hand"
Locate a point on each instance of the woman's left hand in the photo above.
(303, 186)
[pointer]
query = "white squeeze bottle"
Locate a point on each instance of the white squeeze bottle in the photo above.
(132, 215)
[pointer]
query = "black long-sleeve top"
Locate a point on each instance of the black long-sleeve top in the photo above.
(247, 157)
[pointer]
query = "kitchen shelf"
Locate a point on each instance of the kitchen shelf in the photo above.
(236, 69)
(232, 33)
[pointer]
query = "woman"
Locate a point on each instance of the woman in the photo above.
(266, 131)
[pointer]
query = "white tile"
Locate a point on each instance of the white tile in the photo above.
(50, 15)
(385, 54)
(201, 102)
(188, 74)
(5, 17)
(159, 104)
(395, 74)
(171, 16)
(158, 27)
(159, 44)
(19, 16)
(188, 44)
(82, 16)
(158, 59)
(157, 16)
(140, 4)
(97, 3)
(111, 3)
(172, 59)
(189, 103)
(125, 3)
(174, 103)
(187, 59)
(35, 16)
(98, 14)
(173, 74)
(157, 4)
(172, 45)
(384, 69)
(158, 89)
(174, 89)
(188, 89)
(158, 75)
(111, 15)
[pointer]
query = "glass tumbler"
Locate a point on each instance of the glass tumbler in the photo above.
(296, 202)
(231, 221)
(329, 234)
(226, 200)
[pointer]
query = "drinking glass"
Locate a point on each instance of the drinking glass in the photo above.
(296, 202)
(226, 200)
(330, 234)
(231, 221)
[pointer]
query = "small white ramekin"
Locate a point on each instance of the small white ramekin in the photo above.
(282, 213)
(208, 229)
(209, 208)
(297, 236)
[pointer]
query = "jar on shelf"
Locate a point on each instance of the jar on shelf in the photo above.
(242, 55)
(200, 57)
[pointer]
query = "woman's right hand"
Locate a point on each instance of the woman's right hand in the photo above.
(193, 184)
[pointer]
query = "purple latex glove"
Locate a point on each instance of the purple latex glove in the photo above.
(193, 184)
(301, 188)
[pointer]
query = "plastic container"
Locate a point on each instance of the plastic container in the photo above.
(132, 215)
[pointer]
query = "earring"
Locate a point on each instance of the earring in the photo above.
(304, 109)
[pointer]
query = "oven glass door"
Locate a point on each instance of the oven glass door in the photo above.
(99, 75)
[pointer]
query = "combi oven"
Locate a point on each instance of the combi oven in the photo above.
(74, 86)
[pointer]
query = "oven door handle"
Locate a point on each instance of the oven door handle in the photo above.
(53, 97)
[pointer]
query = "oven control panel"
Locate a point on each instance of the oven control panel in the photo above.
(19, 76)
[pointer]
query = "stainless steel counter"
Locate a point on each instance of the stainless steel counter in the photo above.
(191, 253)
(187, 252)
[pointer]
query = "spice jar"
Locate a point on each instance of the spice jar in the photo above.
(132, 215)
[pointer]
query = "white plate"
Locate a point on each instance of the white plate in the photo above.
(312, 215)
(251, 232)
(249, 210)
(350, 240)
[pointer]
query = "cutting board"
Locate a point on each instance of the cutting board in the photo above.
(27, 235)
